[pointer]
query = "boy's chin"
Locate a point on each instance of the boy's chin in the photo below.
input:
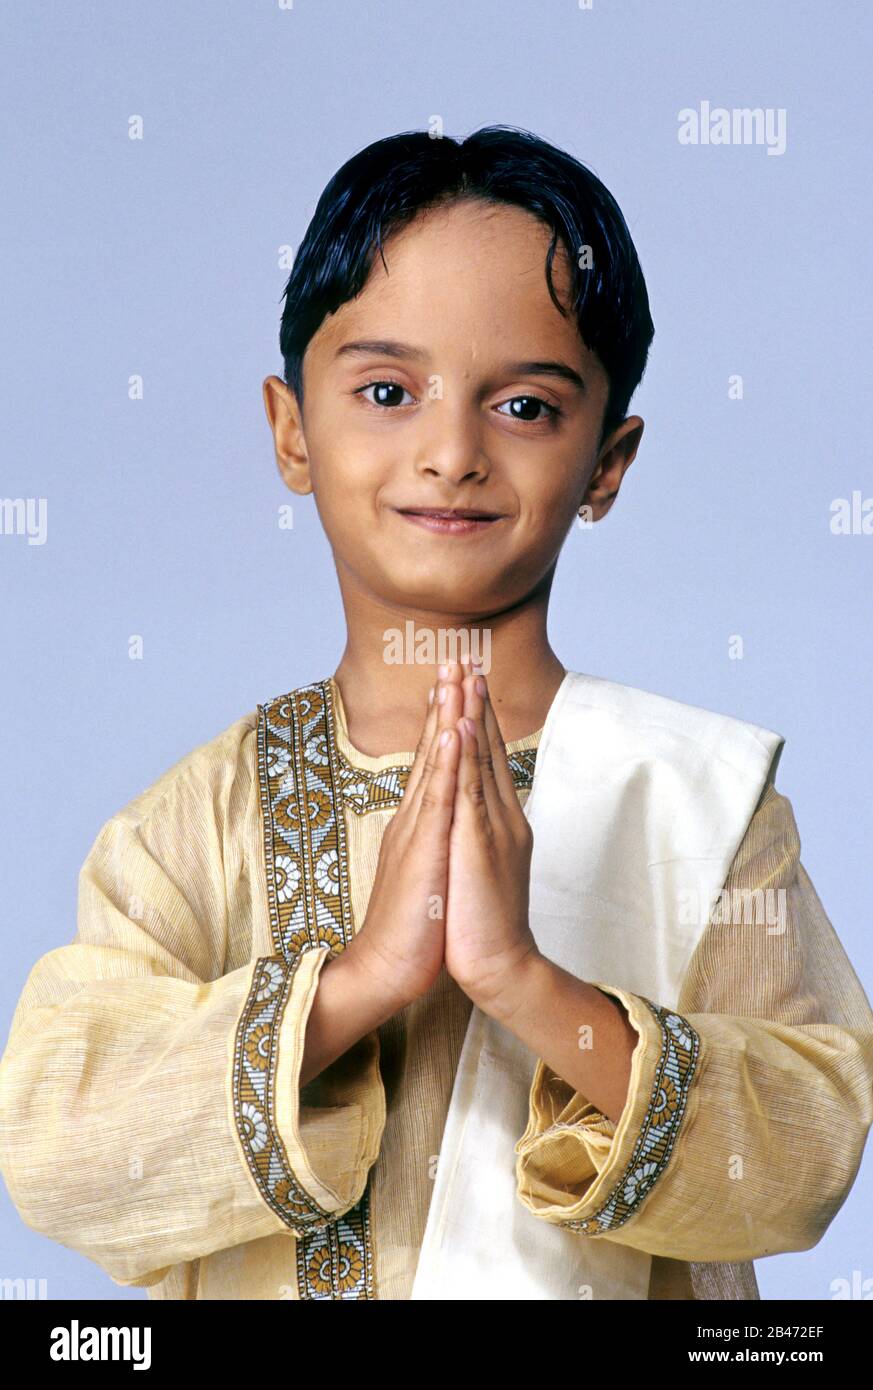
(437, 593)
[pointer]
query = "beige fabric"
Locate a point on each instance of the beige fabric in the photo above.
(117, 1124)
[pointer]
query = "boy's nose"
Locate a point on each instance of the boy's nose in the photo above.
(457, 468)
(454, 451)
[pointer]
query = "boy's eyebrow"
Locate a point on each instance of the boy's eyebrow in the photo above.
(381, 347)
(387, 347)
(547, 368)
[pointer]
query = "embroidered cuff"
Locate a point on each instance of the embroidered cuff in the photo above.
(310, 1163)
(575, 1168)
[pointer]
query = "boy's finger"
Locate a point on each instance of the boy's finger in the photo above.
(436, 806)
(445, 716)
(481, 751)
(427, 732)
(499, 757)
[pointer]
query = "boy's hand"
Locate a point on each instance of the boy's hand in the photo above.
(401, 941)
(488, 937)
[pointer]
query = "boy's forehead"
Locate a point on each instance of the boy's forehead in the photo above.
(473, 272)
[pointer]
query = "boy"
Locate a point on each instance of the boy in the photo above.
(491, 1018)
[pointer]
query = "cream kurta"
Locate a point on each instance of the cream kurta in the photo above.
(150, 1113)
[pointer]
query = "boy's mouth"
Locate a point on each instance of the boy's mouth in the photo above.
(450, 520)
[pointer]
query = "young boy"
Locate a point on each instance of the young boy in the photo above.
(426, 980)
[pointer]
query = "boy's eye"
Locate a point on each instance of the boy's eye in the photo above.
(384, 389)
(387, 393)
(531, 402)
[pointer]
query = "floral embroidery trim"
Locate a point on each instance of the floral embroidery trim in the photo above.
(254, 1073)
(307, 872)
(522, 764)
(674, 1073)
(309, 905)
(338, 1263)
(364, 789)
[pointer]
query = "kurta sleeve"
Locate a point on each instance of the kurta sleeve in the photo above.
(748, 1105)
(150, 1109)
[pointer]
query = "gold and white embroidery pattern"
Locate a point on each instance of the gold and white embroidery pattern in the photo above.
(676, 1068)
(310, 909)
(363, 789)
(253, 1096)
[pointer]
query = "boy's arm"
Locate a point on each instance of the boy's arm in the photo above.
(150, 1106)
(748, 1107)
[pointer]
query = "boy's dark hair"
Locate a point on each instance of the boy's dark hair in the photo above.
(385, 186)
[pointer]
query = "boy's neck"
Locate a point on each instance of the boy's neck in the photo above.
(386, 704)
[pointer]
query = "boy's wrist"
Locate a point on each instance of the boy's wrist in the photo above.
(347, 1005)
(372, 981)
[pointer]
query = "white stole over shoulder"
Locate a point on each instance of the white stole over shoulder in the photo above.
(638, 804)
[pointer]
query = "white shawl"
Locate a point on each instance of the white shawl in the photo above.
(638, 805)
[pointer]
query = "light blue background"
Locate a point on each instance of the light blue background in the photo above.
(160, 257)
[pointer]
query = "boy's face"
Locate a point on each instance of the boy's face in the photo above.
(466, 307)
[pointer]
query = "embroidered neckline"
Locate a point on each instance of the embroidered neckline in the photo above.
(382, 762)
(374, 787)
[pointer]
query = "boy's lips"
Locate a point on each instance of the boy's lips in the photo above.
(466, 513)
(449, 520)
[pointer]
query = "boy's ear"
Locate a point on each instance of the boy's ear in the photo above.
(286, 422)
(614, 459)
